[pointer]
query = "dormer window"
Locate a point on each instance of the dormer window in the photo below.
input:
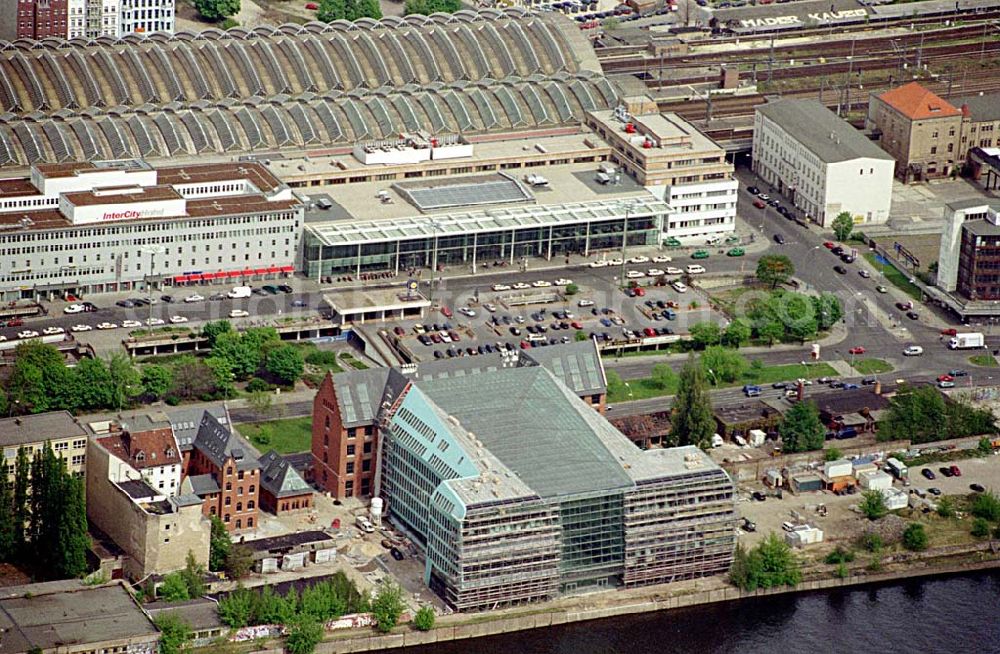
(140, 456)
(170, 452)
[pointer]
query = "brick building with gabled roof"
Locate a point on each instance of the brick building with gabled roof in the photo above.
(219, 456)
(282, 489)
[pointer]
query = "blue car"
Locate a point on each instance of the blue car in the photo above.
(606, 322)
(751, 390)
(669, 314)
(851, 387)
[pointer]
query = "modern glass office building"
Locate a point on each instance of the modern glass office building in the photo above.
(483, 235)
(517, 491)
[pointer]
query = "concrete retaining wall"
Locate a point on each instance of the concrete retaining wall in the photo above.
(407, 638)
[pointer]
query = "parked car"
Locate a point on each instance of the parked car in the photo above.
(857, 350)
(928, 473)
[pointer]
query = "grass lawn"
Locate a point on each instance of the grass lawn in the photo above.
(984, 360)
(895, 277)
(872, 366)
(641, 389)
(287, 436)
(352, 362)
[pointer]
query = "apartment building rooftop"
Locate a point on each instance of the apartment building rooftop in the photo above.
(53, 425)
(819, 130)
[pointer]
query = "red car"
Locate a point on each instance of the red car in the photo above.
(525, 345)
(951, 331)
(446, 312)
(640, 292)
(829, 245)
(649, 331)
(759, 204)
(856, 350)
(956, 471)
(576, 324)
(312, 6)
(942, 378)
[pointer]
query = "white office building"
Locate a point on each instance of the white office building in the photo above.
(700, 211)
(120, 225)
(805, 151)
(90, 19)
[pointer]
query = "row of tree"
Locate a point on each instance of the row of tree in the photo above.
(331, 10)
(922, 414)
(41, 381)
(43, 516)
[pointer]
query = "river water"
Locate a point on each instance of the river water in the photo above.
(953, 615)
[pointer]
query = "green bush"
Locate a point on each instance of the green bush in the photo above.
(873, 505)
(986, 506)
(257, 384)
(840, 555)
(946, 507)
(980, 528)
(387, 606)
(172, 400)
(321, 358)
(771, 563)
(842, 571)
(572, 289)
(872, 542)
(915, 537)
(424, 619)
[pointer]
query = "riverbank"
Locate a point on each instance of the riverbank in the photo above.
(945, 561)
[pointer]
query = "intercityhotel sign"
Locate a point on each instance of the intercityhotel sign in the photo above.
(815, 17)
(90, 214)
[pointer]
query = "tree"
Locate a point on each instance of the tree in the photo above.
(286, 363)
(236, 608)
(801, 430)
(211, 330)
(828, 309)
(220, 545)
(33, 383)
(832, 454)
(239, 562)
(8, 532)
(946, 507)
(580, 335)
(156, 380)
(222, 376)
(428, 7)
(663, 376)
(771, 331)
(174, 632)
(691, 420)
(917, 413)
(216, 10)
(193, 575)
(706, 333)
(387, 606)
(986, 506)
(192, 378)
(873, 505)
(722, 364)
(571, 289)
(22, 467)
(126, 382)
(771, 563)
(92, 387)
(304, 633)
(842, 225)
(915, 537)
(174, 588)
(737, 333)
(872, 542)
(72, 542)
(980, 528)
(424, 618)
(774, 269)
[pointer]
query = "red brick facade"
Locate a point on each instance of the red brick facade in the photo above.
(38, 19)
(236, 503)
(343, 457)
(277, 506)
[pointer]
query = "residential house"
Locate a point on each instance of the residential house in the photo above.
(281, 487)
(148, 445)
(218, 455)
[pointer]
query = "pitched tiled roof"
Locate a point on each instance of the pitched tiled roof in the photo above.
(917, 103)
(144, 449)
(279, 478)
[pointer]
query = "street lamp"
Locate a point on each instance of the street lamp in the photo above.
(628, 211)
(153, 250)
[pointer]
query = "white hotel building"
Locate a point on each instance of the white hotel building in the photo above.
(119, 225)
(805, 151)
(679, 165)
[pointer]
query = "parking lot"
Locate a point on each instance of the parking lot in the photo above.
(841, 524)
(520, 314)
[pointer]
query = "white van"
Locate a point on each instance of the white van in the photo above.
(364, 524)
(534, 338)
(239, 292)
(695, 269)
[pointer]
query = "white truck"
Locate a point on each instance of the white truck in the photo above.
(239, 292)
(967, 341)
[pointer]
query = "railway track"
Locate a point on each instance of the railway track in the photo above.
(743, 106)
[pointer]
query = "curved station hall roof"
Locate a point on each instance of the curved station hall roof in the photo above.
(295, 86)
